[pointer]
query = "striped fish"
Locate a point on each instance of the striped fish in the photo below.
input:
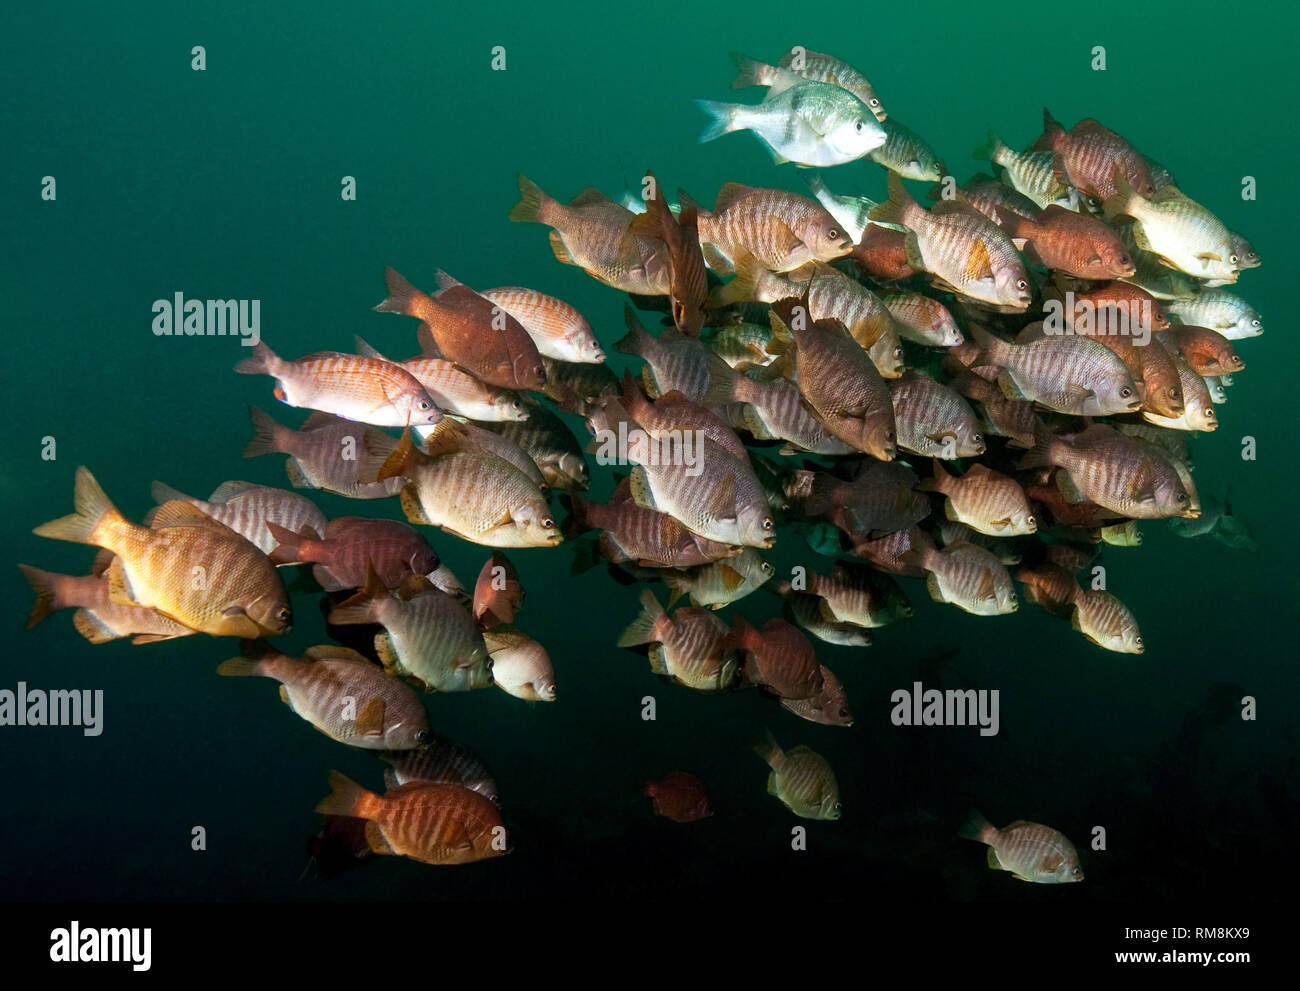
(774, 410)
(1177, 230)
(326, 453)
(340, 693)
(906, 153)
(1207, 351)
(1090, 155)
(188, 567)
(1032, 173)
(1198, 407)
(1050, 586)
(647, 537)
(520, 665)
(802, 779)
(688, 647)
(778, 657)
(967, 576)
(1068, 374)
(98, 618)
(431, 823)
(470, 493)
(441, 761)
(427, 635)
(802, 63)
(984, 500)
(923, 320)
(354, 387)
(931, 419)
(1106, 621)
(548, 444)
(781, 230)
(1032, 852)
(722, 582)
(675, 363)
(1219, 310)
(806, 610)
(558, 329)
(854, 593)
(1112, 470)
(249, 509)
(459, 392)
(964, 250)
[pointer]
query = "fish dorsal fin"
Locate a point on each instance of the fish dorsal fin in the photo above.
(230, 490)
(445, 282)
(1013, 825)
(978, 265)
(590, 196)
(331, 652)
(365, 350)
(730, 194)
(410, 500)
(370, 720)
(177, 513)
(318, 420)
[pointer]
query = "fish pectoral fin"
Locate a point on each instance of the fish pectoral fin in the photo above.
(978, 265)
(1206, 257)
(731, 578)
(560, 251)
(994, 863)
(370, 720)
(454, 837)
(234, 609)
(986, 590)
(143, 638)
(783, 237)
(410, 501)
(119, 588)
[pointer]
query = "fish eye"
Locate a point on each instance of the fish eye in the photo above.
(1022, 284)
(1031, 521)
(1138, 641)
(1125, 393)
(874, 102)
(833, 234)
(1209, 414)
(976, 439)
(1254, 323)
(1076, 872)
(859, 127)
(284, 615)
(548, 524)
(890, 436)
(898, 352)
(423, 405)
(767, 523)
(1232, 259)
(424, 736)
(1182, 497)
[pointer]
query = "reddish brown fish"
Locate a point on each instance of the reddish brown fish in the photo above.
(1207, 351)
(882, 254)
(498, 594)
(646, 536)
(470, 330)
(1089, 154)
(396, 550)
(690, 284)
(680, 797)
(780, 658)
(1074, 243)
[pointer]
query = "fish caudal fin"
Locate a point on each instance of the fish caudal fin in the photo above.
(637, 337)
(769, 749)
(45, 585)
(264, 427)
(724, 118)
(534, 206)
(262, 361)
(642, 629)
(346, 798)
(977, 828)
(1040, 455)
(751, 72)
(360, 608)
(289, 545)
(893, 209)
(94, 513)
(402, 296)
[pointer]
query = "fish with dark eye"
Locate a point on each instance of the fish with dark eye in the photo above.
(802, 779)
(934, 420)
(462, 326)
(985, 500)
(965, 575)
(558, 329)
(368, 390)
(326, 452)
(778, 658)
(1207, 351)
(1030, 851)
(689, 647)
(1219, 310)
(341, 694)
(185, 565)
(830, 706)
(441, 761)
(1068, 374)
(350, 544)
(1073, 243)
(680, 797)
(782, 231)
(430, 823)
(1091, 155)
(803, 63)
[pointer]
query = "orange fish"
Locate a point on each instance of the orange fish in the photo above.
(431, 823)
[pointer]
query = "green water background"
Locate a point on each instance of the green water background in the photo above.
(225, 184)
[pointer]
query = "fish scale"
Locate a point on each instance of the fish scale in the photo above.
(441, 762)
(247, 509)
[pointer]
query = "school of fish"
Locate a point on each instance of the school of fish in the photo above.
(974, 386)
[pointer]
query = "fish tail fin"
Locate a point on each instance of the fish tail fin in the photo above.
(94, 514)
(751, 72)
(637, 337)
(289, 547)
(346, 798)
(1052, 130)
(642, 629)
(724, 118)
(921, 552)
(1121, 203)
(768, 749)
(533, 206)
(743, 287)
(586, 555)
(939, 482)
(977, 828)
(264, 431)
(723, 383)
(249, 662)
(360, 608)
(263, 361)
(577, 523)
(993, 350)
(1042, 453)
(46, 586)
(403, 297)
(896, 207)
(991, 148)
